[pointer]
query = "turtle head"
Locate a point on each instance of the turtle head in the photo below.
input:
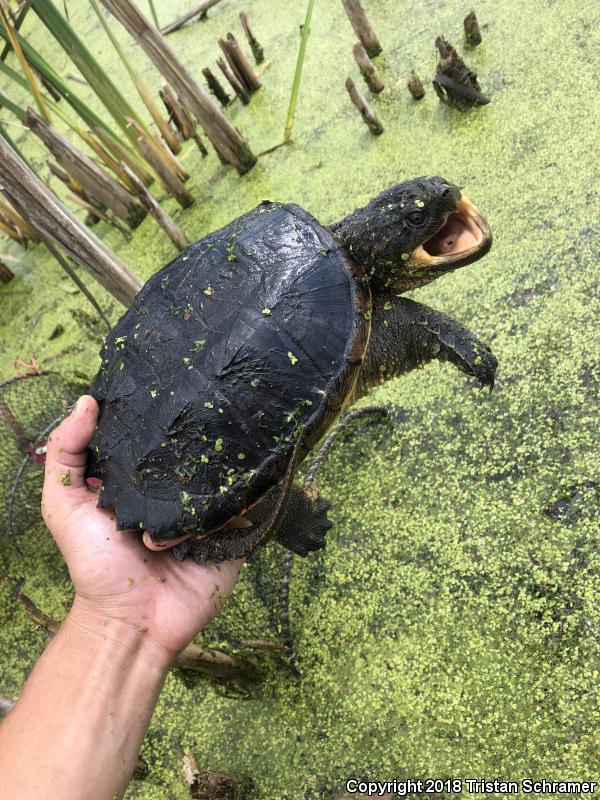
(413, 232)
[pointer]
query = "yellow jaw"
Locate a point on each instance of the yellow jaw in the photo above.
(464, 233)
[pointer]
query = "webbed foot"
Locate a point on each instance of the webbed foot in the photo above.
(461, 347)
(305, 523)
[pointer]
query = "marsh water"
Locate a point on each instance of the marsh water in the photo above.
(454, 630)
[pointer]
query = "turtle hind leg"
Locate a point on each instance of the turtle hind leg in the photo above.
(302, 528)
(304, 524)
(333, 435)
(266, 518)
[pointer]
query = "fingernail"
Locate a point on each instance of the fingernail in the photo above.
(77, 408)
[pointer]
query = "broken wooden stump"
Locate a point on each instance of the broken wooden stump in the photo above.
(199, 143)
(95, 181)
(166, 222)
(214, 663)
(238, 88)
(176, 112)
(239, 64)
(455, 84)
(366, 112)
(415, 86)
(226, 139)
(362, 27)
(257, 50)
(48, 216)
(197, 11)
(367, 69)
(472, 32)
(184, 122)
(214, 785)
(6, 275)
(215, 87)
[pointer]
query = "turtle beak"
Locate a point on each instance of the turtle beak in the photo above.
(464, 237)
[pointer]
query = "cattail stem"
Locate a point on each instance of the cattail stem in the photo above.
(146, 177)
(365, 109)
(168, 177)
(215, 87)
(13, 233)
(96, 182)
(227, 140)
(76, 280)
(295, 93)
(165, 221)
(192, 126)
(367, 69)
(176, 165)
(257, 50)
(362, 27)
(106, 157)
(11, 216)
(68, 181)
(16, 27)
(49, 217)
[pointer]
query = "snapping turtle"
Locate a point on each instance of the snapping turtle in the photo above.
(238, 355)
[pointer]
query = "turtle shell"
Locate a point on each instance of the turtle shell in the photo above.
(246, 344)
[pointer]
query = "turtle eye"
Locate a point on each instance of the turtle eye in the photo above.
(415, 218)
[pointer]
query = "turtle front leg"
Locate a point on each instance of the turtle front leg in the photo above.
(406, 335)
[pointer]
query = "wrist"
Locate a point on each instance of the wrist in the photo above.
(119, 639)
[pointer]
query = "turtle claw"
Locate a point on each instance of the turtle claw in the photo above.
(481, 363)
(457, 344)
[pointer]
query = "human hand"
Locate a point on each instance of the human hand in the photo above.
(115, 576)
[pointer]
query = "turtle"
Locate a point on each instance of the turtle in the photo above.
(237, 356)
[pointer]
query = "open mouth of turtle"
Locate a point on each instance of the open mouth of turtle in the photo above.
(464, 235)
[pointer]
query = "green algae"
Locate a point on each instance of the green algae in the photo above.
(451, 627)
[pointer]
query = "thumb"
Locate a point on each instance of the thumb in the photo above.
(67, 452)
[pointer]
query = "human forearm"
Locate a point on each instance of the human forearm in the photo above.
(77, 728)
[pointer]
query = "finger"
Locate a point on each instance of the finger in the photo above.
(163, 545)
(67, 449)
